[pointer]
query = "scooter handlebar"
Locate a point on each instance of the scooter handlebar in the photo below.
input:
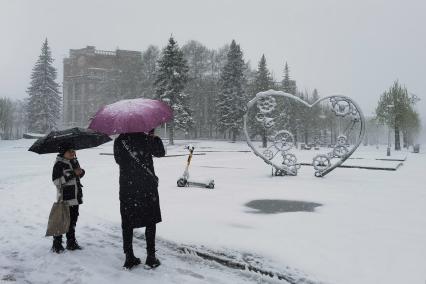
(190, 147)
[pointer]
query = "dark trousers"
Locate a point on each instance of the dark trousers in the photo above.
(149, 237)
(73, 222)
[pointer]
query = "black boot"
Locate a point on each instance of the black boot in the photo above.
(131, 261)
(73, 245)
(151, 261)
(57, 245)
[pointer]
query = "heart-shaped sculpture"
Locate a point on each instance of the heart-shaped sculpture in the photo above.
(333, 125)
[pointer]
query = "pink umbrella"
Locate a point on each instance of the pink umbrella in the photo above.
(130, 116)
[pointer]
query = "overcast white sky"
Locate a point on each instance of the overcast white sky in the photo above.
(356, 48)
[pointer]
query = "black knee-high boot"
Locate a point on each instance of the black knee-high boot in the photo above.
(131, 260)
(151, 260)
(71, 240)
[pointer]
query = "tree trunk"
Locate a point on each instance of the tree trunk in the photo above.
(397, 142)
(264, 139)
(294, 132)
(171, 133)
(405, 139)
(234, 135)
(306, 136)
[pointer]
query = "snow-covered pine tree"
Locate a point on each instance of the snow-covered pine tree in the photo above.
(263, 81)
(149, 65)
(199, 86)
(288, 85)
(230, 103)
(316, 116)
(290, 120)
(305, 117)
(44, 104)
(171, 79)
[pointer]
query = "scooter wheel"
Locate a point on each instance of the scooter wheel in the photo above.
(181, 182)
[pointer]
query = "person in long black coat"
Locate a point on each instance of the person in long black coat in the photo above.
(139, 200)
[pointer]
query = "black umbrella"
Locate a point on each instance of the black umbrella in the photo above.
(79, 138)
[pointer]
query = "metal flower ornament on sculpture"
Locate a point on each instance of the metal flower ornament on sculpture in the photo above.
(268, 115)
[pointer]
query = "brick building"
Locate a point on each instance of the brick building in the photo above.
(86, 72)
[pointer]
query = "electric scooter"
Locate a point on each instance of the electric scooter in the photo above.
(185, 181)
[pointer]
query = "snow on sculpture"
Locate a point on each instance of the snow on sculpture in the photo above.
(269, 113)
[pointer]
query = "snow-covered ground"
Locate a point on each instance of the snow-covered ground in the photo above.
(371, 227)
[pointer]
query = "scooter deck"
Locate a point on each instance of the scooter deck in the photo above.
(200, 184)
(190, 183)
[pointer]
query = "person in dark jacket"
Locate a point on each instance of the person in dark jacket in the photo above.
(139, 200)
(66, 177)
